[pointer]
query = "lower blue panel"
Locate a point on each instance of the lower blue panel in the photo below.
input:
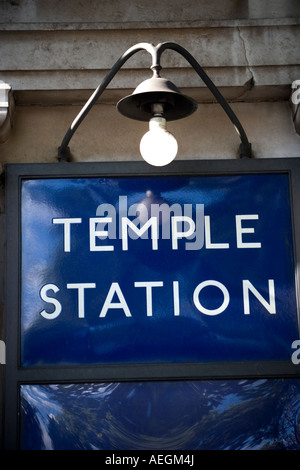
(176, 415)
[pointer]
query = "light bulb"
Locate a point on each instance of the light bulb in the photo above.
(158, 147)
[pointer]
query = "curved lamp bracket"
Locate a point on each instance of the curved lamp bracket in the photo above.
(155, 52)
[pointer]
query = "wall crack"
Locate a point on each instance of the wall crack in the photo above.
(246, 54)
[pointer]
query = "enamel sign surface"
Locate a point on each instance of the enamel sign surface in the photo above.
(168, 269)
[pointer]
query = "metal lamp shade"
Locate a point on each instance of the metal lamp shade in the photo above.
(156, 90)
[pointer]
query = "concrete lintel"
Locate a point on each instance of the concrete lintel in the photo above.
(201, 95)
(137, 25)
(135, 11)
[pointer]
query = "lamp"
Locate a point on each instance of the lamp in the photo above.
(156, 100)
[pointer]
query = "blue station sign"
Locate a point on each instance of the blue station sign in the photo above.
(157, 269)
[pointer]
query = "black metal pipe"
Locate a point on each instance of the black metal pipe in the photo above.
(245, 146)
(63, 150)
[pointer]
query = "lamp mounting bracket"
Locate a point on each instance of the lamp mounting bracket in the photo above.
(156, 53)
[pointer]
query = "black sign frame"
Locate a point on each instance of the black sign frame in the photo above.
(15, 375)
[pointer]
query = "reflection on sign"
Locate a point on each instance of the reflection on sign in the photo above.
(197, 415)
(157, 269)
